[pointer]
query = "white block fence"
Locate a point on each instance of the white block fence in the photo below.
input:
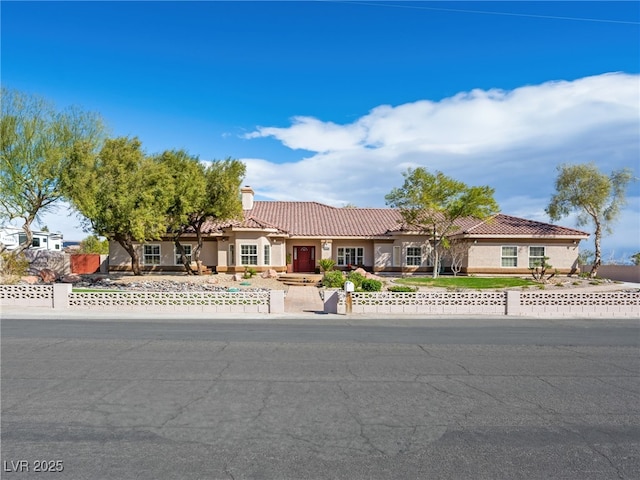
(528, 303)
(472, 302)
(60, 296)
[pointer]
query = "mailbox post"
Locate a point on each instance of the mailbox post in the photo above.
(349, 287)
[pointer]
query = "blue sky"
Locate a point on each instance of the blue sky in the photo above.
(332, 101)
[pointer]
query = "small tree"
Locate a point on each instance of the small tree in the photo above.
(457, 250)
(596, 197)
(635, 258)
(433, 203)
(539, 270)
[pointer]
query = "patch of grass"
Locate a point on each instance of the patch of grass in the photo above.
(467, 282)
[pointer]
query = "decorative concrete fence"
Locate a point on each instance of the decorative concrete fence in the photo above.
(60, 296)
(510, 302)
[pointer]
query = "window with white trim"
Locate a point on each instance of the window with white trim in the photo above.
(414, 256)
(509, 257)
(536, 256)
(248, 255)
(187, 253)
(266, 255)
(350, 256)
(151, 255)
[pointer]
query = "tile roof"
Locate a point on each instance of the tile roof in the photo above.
(507, 225)
(315, 219)
(312, 219)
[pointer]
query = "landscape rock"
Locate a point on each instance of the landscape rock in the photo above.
(30, 279)
(47, 275)
(269, 274)
(71, 278)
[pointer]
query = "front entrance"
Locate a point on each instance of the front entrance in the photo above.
(304, 259)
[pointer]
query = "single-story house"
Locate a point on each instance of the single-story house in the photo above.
(273, 234)
(11, 237)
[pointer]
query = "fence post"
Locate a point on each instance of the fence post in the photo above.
(61, 293)
(331, 301)
(513, 303)
(276, 301)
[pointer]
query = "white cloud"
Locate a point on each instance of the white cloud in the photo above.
(511, 140)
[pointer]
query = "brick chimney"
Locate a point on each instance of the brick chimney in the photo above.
(247, 197)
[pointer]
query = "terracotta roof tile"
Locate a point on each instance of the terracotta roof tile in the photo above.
(316, 219)
(507, 225)
(312, 219)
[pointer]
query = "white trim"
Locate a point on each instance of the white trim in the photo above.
(144, 254)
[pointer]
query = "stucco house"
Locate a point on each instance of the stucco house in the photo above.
(274, 233)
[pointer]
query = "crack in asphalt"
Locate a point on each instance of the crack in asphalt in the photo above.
(459, 365)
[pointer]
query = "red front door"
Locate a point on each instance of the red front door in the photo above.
(304, 259)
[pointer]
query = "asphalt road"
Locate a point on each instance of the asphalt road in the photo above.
(459, 399)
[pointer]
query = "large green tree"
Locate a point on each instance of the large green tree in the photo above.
(36, 142)
(597, 197)
(433, 203)
(187, 174)
(123, 194)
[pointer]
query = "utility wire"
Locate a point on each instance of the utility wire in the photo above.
(484, 12)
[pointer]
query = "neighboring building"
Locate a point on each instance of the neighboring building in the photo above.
(272, 233)
(12, 237)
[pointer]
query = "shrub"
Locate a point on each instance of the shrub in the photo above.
(371, 285)
(357, 280)
(249, 272)
(333, 279)
(14, 265)
(326, 264)
(402, 288)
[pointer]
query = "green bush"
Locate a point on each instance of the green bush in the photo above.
(371, 285)
(357, 280)
(249, 272)
(93, 244)
(402, 288)
(333, 279)
(326, 264)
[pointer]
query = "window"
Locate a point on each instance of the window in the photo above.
(35, 242)
(248, 255)
(414, 256)
(187, 253)
(350, 256)
(267, 255)
(536, 256)
(509, 256)
(151, 255)
(232, 254)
